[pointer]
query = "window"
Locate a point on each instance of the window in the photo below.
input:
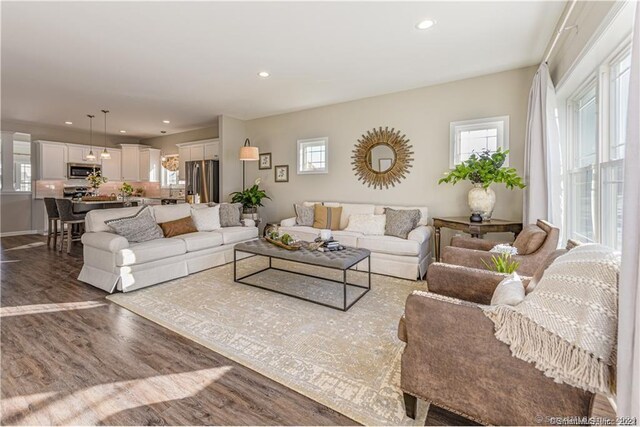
(475, 136)
(169, 172)
(597, 118)
(313, 156)
(21, 162)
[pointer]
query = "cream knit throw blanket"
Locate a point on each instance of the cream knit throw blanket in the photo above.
(567, 325)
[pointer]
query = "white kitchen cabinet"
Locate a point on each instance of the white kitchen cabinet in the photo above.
(196, 152)
(184, 155)
(52, 160)
(211, 150)
(78, 153)
(112, 168)
(130, 162)
(150, 164)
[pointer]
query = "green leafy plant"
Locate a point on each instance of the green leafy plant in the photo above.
(96, 179)
(502, 263)
(485, 168)
(126, 189)
(250, 197)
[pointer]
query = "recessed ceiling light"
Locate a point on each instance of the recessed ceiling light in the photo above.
(68, 123)
(427, 23)
(166, 121)
(263, 74)
(123, 131)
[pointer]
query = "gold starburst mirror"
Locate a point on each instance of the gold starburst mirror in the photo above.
(382, 157)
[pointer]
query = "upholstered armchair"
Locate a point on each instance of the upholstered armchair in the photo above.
(534, 244)
(453, 360)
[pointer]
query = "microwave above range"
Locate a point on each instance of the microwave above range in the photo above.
(81, 170)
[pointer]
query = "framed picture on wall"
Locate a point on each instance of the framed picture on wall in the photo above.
(281, 173)
(265, 161)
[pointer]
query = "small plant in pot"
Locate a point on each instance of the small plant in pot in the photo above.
(250, 198)
(483, 170)
(96, 179)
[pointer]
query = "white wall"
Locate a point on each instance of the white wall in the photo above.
(232, 133)
(423, 115)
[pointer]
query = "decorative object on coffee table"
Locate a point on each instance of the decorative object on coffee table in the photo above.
(476, 229)
(281, 173)
(382, 157)
(265, 161)
(483, 170)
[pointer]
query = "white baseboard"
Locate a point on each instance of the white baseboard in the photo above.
(18, 233)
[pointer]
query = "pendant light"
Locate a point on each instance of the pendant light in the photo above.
(105, 155)
(91, 156)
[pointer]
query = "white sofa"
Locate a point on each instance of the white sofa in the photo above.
(391, 256)
(111, 262)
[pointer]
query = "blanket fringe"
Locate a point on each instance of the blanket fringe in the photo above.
(555, 357)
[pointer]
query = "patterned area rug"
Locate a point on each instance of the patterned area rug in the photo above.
(348, 361)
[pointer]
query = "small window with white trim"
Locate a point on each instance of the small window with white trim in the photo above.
(313, 155)
(475, 136)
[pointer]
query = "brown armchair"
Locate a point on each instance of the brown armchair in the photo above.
(535, 243)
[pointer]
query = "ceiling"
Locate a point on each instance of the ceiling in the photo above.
(190, 62)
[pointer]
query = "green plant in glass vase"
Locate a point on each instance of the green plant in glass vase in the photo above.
(483, 170)
(250, 198)
(96, 179)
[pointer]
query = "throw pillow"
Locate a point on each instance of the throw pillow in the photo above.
(304, 215)
(369, 224)
(400, 222)
(137, 228)
(530, 239)
(179, 226)
(206, 219)
(325, 217)
(510, 291)
(230, 214)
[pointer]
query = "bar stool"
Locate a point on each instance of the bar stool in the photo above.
(65, 209)
(53, 217)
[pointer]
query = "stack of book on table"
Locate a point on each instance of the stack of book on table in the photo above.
(331, 245)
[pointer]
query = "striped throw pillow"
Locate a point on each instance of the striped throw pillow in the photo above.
(325, 217)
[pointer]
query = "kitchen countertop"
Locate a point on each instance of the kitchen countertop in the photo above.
(96, 202)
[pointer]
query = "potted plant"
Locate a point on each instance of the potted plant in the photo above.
(483, 170)
(250, 198)
(96, 179)
(126, 190)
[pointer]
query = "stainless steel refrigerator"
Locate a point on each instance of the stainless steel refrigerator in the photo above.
(203, 178)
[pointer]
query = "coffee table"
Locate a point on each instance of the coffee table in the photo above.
(337, 260)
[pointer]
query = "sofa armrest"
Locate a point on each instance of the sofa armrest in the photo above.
(248, 222)
(472, 243)
(420, 234)
(469, 284)
(477, 259)
(109, 242)
(289, 222)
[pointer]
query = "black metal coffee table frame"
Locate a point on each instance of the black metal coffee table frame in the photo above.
(344, 282)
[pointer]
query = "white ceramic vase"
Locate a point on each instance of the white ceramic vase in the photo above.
(482, 200)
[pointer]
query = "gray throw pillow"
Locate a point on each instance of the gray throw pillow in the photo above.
(230, 214)
(400, 222)
(304, 215)
(137, 228)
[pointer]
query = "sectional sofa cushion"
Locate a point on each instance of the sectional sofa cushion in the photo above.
(178, 226)
(140, 227)
(200, 240)
(399, 223)
(230, 214)
(166, 213)
(326, 217)
(347, 238)
(206, 219)
(304, 215)
(390, 245)
(349, 209)
(368, 224)
(153, 250)
(237, 234)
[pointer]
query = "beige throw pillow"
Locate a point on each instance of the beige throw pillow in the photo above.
(509, 292)
(325, 217)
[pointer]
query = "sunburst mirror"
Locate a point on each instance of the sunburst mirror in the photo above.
(382, 157)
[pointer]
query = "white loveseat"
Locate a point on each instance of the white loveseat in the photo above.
(393, 256)
(111, 262)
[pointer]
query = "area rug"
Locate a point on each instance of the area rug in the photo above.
(348, 361)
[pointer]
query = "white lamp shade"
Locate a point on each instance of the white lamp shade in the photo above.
(249, 153)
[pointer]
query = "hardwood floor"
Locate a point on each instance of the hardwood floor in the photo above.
(69, 356)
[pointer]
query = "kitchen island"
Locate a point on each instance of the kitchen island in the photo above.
(82, 206)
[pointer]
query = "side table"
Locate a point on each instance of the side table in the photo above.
(476, 229)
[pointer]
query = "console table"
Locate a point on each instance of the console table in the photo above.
(476, 229)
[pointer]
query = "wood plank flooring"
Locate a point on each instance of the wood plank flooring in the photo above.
(69, 356)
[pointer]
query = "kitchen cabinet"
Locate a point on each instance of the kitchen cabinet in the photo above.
(78, 153)
(207, 149)
(184, 155)
(196, 152)
(130, 162)
(111, 168)
(150, 164)
(52, 160)
(211, 150)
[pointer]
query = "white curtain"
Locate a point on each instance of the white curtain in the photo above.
(628, 394)
(542, 157)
